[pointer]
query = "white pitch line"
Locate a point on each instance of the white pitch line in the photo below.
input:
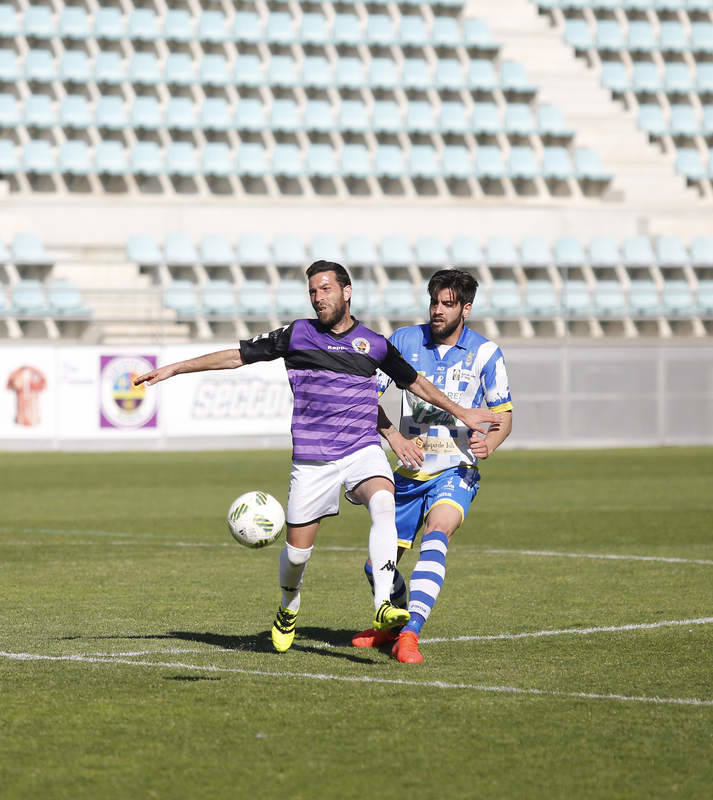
(605, 556)
(683, 701)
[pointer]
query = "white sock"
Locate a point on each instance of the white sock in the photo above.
(293, 562)
(382, 544)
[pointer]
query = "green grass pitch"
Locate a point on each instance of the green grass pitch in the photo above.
(572, 652)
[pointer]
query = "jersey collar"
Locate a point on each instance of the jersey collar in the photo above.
(428, 338)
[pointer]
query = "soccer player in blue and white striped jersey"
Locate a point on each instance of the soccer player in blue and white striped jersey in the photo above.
(437, 476)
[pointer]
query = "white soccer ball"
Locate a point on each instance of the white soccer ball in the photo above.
(256, 519)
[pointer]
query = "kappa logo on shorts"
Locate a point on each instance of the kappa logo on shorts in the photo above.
(361, 345)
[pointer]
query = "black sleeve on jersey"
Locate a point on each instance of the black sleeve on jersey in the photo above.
(397, 368)
(266, 346)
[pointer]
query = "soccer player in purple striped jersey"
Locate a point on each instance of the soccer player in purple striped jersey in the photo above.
(331, 364)
(437, 474)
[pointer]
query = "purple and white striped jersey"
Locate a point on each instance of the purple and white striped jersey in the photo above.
(333, 378)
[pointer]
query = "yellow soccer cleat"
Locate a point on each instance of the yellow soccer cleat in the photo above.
(283, 630)
(388, 616)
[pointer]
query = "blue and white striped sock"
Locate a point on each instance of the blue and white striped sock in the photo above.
(398, 592)
(426, 579)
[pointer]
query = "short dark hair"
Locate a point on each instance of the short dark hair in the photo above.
(462, 284)
(341, 274)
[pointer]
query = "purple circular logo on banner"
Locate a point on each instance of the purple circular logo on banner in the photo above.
(123, 405)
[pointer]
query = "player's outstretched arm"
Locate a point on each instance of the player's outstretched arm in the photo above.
(406, 449)
(473, 418)
(223, 359)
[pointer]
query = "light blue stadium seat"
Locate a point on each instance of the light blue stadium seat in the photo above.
(540, 298)
(677, 79)
(489, 163)
(690, 164)
(576, 299)
(180, 296)
(218, 299)
(615, 77)
(677, 298)
(609, 36)
(588, 166)
(355, 161)
(465, 251)
(609, 299)
(486, 119)
(217, 160)
(146, 159)
(416, 74)
(248, 71)
(110, 158)
(423, 162)
(143, 25)
(284, 116)
(247, 28)
(181, 159)
(419, 117)
(9, 67)
(430, 251)
(456, 162)
(535, 252)
(704, 78)
(366, 297)
(109, 24)
(253, 250)
(449, 75)
(146, 114)
(280, 28)
(701, 38)
(180, 114)
(604, 252)
(551, 122)
(252, 160)
(671, 252)
(64, 299)
(314, 29)
(316, 72)
(9, 161)
(287, 161)
(144, 69)
(577, 34)
(215, 114)
(644, 298)
(672, 37)
(513, 78)
(178, 26)
(38, 22)
(40, 66)
(28, 298)
(38, 158)
(74, 158)
(389, 161)
(39, 111)
(522, 164)
(179, 70)
(325, 246)
(477, 36)
(556, 164)
(179, 249)
(143, 249)
(9, 111)
(75, 67)
(346, 29)
(519, 119)
(282, 72)
(109, 68)
(395, 251)
(214, 70)
(500, 251)
(250, 115)
(320, 161)
(569, 252)
(317, 116)
(651, 120)
(641, 38)
(360, 250)
(254, 298)
(398, 299)
(27, 249)
(380, 30)
(386, 117)
(382, 74)
(110, 113)
(504, 297)
(704, 297)
(646, 77)
(684, 121)
(353, 117)
(701, 250)
(292, 299)
(445, 32)
(482, 76)
(412, 31)
(452, 118)
(288, 250)
(212, 27)
(9, 25)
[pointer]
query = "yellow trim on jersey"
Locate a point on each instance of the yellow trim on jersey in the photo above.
(447, 501)
(502, 407)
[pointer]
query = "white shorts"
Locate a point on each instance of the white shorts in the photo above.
(315, 485)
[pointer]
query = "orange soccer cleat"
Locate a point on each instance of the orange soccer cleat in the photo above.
(372, 638)
(405, 649)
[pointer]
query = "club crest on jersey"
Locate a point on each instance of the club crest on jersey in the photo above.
(469, 359)
(361, 345)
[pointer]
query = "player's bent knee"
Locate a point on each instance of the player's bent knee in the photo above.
(382, 502)
(297, 555)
